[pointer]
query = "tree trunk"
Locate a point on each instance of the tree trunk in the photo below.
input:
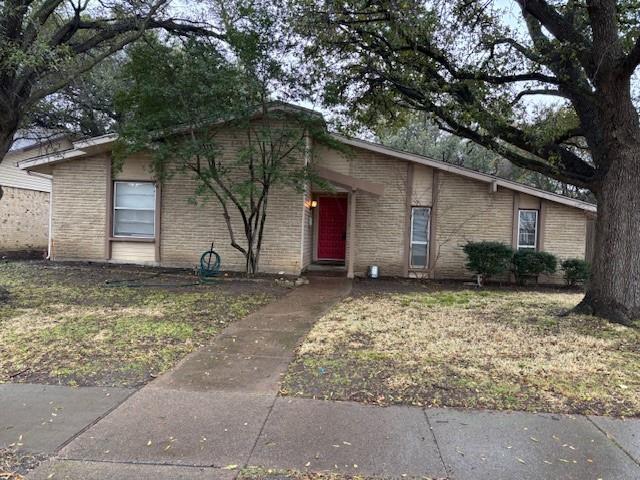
(8, 128)
(613, 291)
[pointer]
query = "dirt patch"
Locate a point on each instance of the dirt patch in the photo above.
(23, 255)
(491, 348)
(4, 295)
(14, 464)
(82, 324)
(367, 287)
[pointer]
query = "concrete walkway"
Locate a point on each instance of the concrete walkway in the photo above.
(218, 411)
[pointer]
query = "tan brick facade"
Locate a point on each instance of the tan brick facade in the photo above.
(464, 209)
(24, 220)
(467, 211)
(187, 230)
(565, 234)
(79, 209)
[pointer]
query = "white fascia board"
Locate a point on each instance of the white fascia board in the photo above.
(96, 141)
(80, 148)
(51, 158)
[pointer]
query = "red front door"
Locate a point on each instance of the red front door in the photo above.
(332, 228)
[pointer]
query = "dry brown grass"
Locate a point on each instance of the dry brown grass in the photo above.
(61, 324)
(486, 349)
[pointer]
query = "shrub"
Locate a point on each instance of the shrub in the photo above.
(529, 263)
(488, 259)
(576, 271)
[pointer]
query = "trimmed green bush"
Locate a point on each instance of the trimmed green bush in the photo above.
(488, 259)
(530, 264)
(576, 271)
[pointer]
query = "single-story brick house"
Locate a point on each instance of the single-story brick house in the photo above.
(24, 207)
(406, 213)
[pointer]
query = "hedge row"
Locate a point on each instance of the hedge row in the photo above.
(489, 259)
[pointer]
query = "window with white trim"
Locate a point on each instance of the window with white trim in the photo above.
(527, 229)
(420, 220)
(134, 209)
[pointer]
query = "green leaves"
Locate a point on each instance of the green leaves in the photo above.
(206, 111)
(477, 67)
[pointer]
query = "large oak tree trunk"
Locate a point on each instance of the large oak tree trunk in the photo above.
(614, 289)
(8, 128)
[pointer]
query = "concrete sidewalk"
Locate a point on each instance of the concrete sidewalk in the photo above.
(202, 436)
(43, 418)
(219, 408)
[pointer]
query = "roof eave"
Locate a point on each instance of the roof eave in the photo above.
(483, 177)
(78, 150)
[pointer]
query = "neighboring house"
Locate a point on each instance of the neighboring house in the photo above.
(406, 213)
(24, 208)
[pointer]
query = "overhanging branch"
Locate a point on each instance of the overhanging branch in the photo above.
(632, 60)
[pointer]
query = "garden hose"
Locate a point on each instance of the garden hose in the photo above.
(209, 266)
(208, 270)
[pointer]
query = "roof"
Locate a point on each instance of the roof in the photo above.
(90, 146)
(76, 150)
(465, 172)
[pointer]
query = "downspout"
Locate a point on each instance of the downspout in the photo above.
(49, 245)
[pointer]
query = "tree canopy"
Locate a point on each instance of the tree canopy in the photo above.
(419, 134)
(45, 45)
(179, 102)
(475, 65)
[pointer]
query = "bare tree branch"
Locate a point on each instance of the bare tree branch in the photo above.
(538, 91)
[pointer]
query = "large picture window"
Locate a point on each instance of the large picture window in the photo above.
(420, 219)
(134, 209)
(527, 229)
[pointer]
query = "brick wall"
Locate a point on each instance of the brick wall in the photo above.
(188, 229)
(467, 211)
(24, 220)
(79, 209)
(565, 235)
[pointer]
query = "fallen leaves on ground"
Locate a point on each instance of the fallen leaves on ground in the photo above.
(490, 348)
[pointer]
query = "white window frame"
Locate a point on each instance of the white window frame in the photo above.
(427, 243)
(535, 237)
(115, 208)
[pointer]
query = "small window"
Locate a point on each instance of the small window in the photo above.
(527, 229)
(134, 209)
(420, 219)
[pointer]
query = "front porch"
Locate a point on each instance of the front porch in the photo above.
(333, 218)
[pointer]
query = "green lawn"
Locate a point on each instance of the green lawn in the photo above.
(62, 324)
(498, 349)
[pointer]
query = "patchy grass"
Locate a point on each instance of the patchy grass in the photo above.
(498, 349)
(257, 473)
(61, 324)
